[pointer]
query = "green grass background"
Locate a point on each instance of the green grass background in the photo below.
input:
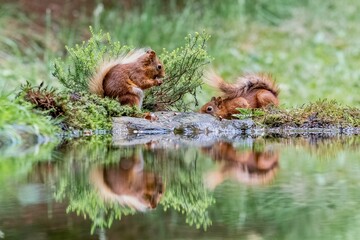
(311, 48)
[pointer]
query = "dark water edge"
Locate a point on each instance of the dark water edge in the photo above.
(302, 187)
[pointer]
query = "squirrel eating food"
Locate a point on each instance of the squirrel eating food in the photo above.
(249, 91)
(126, 77)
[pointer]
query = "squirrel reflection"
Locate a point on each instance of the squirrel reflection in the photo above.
(128, 183)
(247, 166)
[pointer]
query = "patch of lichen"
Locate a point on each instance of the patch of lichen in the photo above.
(76, 110)
(319, 114)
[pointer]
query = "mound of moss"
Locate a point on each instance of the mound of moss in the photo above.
(76, 110)
(319, 114)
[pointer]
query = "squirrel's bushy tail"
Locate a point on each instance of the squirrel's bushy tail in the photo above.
(243, 86)
(106, 193)
(251, 82)
(96, 80)
(214, 80)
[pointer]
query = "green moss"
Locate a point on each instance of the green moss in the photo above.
(88, 111)
(76, 110)
(322, 113)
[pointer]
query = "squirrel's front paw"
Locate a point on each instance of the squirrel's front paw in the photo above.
(158, 81)
(150, 116)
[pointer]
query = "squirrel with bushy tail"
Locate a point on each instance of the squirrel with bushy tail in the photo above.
(126, 77)
(249, 91)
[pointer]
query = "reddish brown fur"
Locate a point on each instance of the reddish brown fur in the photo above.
(260, 98)
(126, 82)
(224, 108)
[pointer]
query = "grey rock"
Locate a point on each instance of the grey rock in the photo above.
(179, 122)
(172, 129)
(178, 127)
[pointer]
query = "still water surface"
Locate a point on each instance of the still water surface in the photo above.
(297, 188)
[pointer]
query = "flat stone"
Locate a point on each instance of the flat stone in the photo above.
(175, 125)
(195, 129)
(179, 122)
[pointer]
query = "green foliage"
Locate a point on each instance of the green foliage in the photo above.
(18, 120)
(74, 73)
(185, 190)
(85, 201)
(184, 70)
(187, 194)
(248, 113)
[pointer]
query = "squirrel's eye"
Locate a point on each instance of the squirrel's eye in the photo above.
(159, 66)
(209, 109)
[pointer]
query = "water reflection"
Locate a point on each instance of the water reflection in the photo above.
(247, 166)
(128, 183)
(233, 189)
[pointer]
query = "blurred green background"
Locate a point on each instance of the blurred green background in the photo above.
(311, 48)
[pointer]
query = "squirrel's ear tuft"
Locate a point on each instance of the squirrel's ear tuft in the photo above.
(151, 53)
(213, 99)
(218, 101)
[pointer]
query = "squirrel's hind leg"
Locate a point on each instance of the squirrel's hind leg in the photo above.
(240, 102)
(265, 98)
(133, 98)
(130, 99)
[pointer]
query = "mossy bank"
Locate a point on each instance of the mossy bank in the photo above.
(74, 108)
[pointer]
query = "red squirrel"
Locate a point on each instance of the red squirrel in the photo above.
(128, 183)
(126, 77)
(245, 166)
(249, 91)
